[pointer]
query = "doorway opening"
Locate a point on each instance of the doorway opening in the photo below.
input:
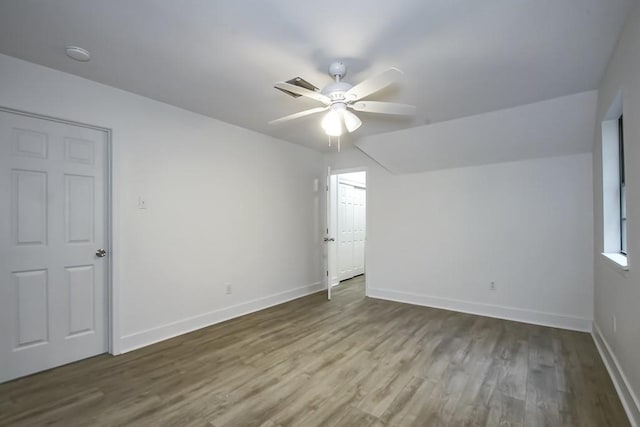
(346, 220)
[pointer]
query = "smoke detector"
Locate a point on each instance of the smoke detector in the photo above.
(78, 53)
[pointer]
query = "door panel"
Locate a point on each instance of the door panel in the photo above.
(53, 293)
(79, 216)
(81, 286)
(29, 207)
(79, 151)
(28, 143)
(31, 289)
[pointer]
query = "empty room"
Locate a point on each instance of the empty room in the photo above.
(338, 213)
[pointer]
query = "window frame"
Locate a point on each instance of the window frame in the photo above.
(622, 189)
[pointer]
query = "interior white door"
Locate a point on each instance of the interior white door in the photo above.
(53, 295)
(351, 230)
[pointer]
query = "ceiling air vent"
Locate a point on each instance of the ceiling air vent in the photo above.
(298, 81)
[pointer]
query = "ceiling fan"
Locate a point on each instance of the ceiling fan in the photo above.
(339, 98)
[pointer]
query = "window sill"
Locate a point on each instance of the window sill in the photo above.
(617, 260)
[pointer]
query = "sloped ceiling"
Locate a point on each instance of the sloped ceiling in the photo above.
(221, 58)
(556, 127)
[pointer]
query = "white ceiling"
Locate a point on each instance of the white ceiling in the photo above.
(221, 58)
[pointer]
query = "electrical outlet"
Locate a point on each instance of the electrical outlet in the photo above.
(492, 286)
(228, 288)
(614, 323)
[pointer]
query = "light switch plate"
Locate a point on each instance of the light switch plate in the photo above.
(142, 203)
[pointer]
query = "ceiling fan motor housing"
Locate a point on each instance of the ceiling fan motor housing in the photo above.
(335, 91)
(337, 69)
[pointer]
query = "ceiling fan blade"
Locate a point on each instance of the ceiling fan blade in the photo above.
(373, 84)
(304, 92)
(298, 115)
(384, 108)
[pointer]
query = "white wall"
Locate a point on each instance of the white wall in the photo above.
(439, 238)
(224, 205)
(504, 196)
(617, 293)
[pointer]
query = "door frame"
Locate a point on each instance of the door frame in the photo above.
(333, 230)
(111, 308)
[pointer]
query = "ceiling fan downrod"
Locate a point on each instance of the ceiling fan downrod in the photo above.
(337, 70)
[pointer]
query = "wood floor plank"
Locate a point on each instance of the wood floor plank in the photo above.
(352, 361)
(380, 388)
(402, 410)
(505, 411)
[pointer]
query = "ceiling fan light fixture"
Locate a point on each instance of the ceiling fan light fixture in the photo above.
(332, 123)
(351, 121)
(340, 97)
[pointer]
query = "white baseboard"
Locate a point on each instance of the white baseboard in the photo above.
(151, 336)
(562, 321)
(627, 396)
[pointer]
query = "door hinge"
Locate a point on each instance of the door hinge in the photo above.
(327, 273)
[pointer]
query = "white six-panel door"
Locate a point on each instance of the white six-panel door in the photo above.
(351, 230)
(53, 295)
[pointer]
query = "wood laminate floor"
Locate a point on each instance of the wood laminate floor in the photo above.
(353, 361)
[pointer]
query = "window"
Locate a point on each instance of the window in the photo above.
(622, 190)
(614, 205)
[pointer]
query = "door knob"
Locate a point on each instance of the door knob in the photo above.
(101, 253)
(329, 239)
